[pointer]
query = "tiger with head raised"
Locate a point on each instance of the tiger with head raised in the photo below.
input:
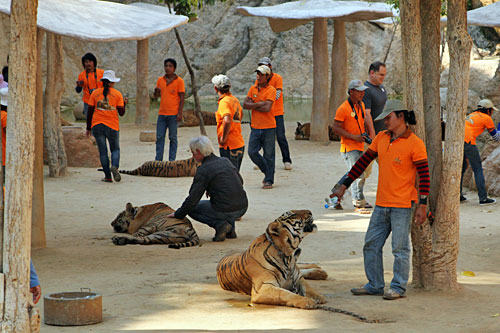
(179, 168)
(268, 270)
(149, 224)
(303, 132)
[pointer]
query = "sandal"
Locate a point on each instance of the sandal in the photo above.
(107, 180)
(362, 210)
(367, 205)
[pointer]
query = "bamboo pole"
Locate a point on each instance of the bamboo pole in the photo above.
(339, 69)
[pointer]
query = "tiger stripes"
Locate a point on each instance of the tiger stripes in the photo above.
(179, 168)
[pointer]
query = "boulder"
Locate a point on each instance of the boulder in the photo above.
(78, 111)
(81, 151)
(147, 136)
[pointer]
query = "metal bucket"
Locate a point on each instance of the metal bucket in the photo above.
(72, 308)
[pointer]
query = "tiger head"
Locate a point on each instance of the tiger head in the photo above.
(288, 230)
(122, 221)
(303, 131)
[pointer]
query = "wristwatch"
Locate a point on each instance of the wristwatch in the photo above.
(423, 200)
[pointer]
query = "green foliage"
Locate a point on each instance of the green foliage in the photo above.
(395, 5)
(187, 7)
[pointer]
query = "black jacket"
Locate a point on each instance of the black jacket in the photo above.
(220, 179)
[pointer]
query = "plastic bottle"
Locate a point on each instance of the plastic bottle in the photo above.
(331, 203)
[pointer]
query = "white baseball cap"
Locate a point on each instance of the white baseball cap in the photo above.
(110, 76)
(486, 104)
(221, 81)
(263, 69)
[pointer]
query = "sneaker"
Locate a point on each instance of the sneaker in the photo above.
(116, 174)
(107, 180)
(361, 291)
(487, 201)
(391, 294)
(267, 186)
(288, 166)
(462, 198)
(221, 232)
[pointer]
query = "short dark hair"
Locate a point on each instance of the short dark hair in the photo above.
(90, 57)
(409, 116)
(172, 61)
(224, 90)
(5, 73)
(375, 66)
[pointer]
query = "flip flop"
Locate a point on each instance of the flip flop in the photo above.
(362, 210)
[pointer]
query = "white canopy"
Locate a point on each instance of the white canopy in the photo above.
(487, 16)
(100, 21)
(290, 15)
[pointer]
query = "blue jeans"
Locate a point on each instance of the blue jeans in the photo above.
(383, 221)
(350, 158)
(162, 124)
(263, 138)
(102, 133)
(234, 155)
(471, 153)
(204, 213)
(85, 109)
(281, 138)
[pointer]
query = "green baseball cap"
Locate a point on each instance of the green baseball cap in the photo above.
(391, 106)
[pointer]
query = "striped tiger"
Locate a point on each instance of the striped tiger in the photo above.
(179, 168)
(190, 118)
(268, 270)
(149, 224)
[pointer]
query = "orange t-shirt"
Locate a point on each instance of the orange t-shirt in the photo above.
(262, 120)
(229, 105)
(397, 169)
(277, 82)
(345, 115)
(170, 99)
(91, 81)
(105, 109)
(475, 123)
(4, 134)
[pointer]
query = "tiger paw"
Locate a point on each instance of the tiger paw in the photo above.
(305, 303)
(320, 299)
(119, 240)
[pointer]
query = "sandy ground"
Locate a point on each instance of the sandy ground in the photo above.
(153, 288)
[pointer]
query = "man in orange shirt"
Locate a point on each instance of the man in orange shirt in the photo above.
(475, 124)
(401, 156)
(278, 111)
(260, 99)
(88, 80)
(228, 117)
(349, 124)
(171, 89)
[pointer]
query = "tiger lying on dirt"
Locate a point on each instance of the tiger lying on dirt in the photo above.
(268, 270)
(303, 132)
(179, 168)
(149, 224)
(189, 118)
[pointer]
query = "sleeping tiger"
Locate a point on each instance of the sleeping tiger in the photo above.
(268, 270)
(149, 224)
(303, 132)
(179, 168)
(189, 118)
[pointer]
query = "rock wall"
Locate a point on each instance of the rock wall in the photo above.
(222, 41)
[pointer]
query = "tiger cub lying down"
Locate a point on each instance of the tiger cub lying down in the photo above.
(179, 168)
(268, 270)
(149, 224)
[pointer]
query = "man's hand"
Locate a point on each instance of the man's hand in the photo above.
(125, 101)
(179, 117)
(88, 134)
(420, 214)
(37, 292)
(171, 215)
(79, 83)
(221, 140)
(358, 137)
(339, 193)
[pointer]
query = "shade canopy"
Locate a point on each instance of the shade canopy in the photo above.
(290, 15)
(487, 16)
(102, 21)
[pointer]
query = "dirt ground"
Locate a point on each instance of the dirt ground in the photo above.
(154, 288)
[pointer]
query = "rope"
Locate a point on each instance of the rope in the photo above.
(349, 313)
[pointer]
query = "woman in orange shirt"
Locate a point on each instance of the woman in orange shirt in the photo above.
(105, 104)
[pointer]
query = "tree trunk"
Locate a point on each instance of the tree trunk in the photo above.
(412, 60)
(431, 40)
(194, 88)
(319, 115)
(19, 171)
(54, 88)
(438, 262)
(38, 239)
(339, 68)
(142, 94)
